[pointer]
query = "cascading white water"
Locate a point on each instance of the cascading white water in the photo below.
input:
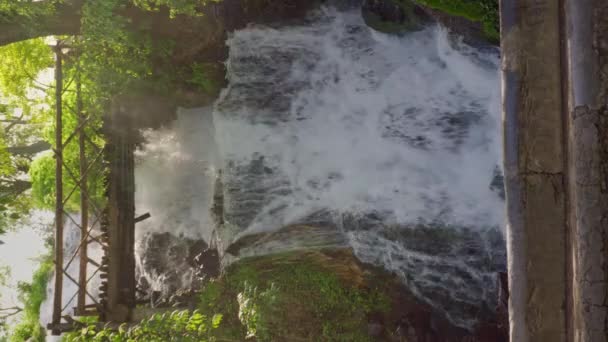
(175, 176)
(393, 141)
(351, 120)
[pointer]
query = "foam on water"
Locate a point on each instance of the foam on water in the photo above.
(351, 120)
(174, 176)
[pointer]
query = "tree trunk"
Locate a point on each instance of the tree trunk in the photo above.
(64, 21)
(14, 188)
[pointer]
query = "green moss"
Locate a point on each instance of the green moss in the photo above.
(205, 77)
(484, 11)
(293, 297)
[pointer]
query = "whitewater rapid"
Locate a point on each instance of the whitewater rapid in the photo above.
(391, 142)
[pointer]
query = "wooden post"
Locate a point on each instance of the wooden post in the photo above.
(84, 204)
(121, 216)
(57, 304)
(535, 169)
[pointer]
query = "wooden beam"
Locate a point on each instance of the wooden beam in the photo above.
(57, 297)
(75, 282)
(93, 262)
(142, 217)
(84, 203)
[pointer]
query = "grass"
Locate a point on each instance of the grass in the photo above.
(32, 295)
(293, 297)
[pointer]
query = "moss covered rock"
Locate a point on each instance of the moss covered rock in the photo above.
(475, 20)
(394, 16)
(323, 295)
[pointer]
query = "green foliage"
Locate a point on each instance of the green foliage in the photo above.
(42, 173)
(176, 7)
(26, 12)
(121, 57)
(21, 64)
(255, 310)
(290, 297)
(113, 57)
(202, 76)
(182, 326)
(42, 169)
(484, 11)
(6, 165)
(32, 295)
(21, 100)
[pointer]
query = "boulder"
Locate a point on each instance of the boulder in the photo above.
(394, 16)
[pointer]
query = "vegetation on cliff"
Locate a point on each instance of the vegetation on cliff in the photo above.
(397, 16)
(313, 296)
(32, 295)
(298, 296)
(483, 11)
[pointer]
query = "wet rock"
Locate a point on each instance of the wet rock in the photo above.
(471, 33)
(454, 268)
(394, 16)
(374, 329)
(293, 237)
(498, 183)
(207, 263)
(169, 266)
(400, 16)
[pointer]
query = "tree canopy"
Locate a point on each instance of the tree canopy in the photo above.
(112, 48)
(105, 55)
(21, 101)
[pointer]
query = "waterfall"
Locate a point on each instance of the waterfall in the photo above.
(339, 135)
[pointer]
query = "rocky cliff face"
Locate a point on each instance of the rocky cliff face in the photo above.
(202, 40)
(401, 16)
(170, 269)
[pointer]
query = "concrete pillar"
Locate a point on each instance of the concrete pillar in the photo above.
(587, 54)
(534, 165)
(555, 105)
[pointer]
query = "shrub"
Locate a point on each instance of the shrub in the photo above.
(32, 295)
(182, 326)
